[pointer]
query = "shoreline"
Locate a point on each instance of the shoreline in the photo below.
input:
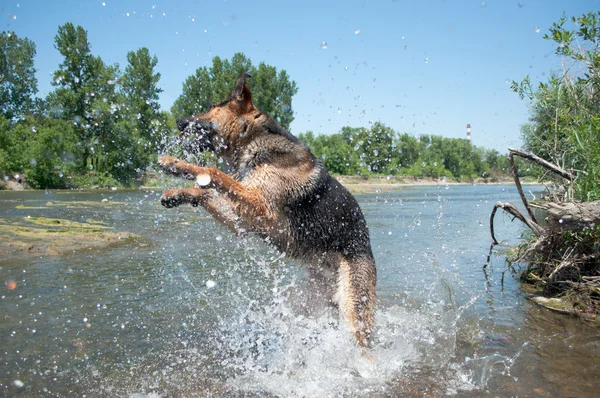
(355, 184)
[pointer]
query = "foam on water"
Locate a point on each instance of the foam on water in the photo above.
(270, 344)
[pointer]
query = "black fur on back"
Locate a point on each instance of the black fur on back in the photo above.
(327, 218)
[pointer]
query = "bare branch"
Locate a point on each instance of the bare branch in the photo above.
(512, 210)
(534, 158)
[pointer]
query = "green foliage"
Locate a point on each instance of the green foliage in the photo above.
(140, 86)
(564, 125)
(46, 150)
(381, 151)
(86, 92)
(272, 91)
(17, 75)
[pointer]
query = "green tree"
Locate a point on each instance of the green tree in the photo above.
(406, 150)
(86, 94)
(272, 91)
(140, 86)
(334, 151)
(564, 124)
(6, 144)
(51, 153)
(18, 83)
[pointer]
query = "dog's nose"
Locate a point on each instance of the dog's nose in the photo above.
(182, 123)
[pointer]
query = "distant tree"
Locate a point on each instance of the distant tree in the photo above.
(86, 93)
(406, 150)
(18, 83)
(374, 146)
(51, 152)
(272, 91)
(140, 86)
(6, 144)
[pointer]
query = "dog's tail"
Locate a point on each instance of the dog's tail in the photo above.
(355, 296)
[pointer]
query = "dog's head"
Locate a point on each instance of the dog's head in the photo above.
(223, 125)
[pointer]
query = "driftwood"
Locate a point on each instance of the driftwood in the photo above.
(512, 210)
(534, 158)
(557, 261)
(572, 216)
(530, 221)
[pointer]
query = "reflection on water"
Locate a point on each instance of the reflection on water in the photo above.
(195, 310)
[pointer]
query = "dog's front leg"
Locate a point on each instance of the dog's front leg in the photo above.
(217, 206)
(250, 204)
(176, 197)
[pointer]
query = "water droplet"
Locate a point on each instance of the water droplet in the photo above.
(346, 68)
(357, 32)
(323, 45)
(103, 4)
(426, 60)
(561, 221)
(483, 4)
(520, 4)
(339, 109)
(219, 238)
(537, 29)
(18, 383)
(210, 284)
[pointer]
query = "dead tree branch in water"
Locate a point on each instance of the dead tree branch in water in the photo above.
(512, 210)
(530, 221)
(564, 257)
(536, 159)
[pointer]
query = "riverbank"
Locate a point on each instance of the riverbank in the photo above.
(356, 184)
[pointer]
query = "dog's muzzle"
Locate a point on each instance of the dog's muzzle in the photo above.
(196, 135)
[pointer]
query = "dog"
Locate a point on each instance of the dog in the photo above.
(279, 190)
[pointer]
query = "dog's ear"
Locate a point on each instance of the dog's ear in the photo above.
(241, 91)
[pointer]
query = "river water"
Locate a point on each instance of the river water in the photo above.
(190, 310)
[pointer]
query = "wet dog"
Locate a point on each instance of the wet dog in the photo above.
(279, 190)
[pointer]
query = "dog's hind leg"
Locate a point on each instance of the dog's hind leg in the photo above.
(355, 296)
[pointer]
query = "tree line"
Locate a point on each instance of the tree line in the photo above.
(103, 126)
(379, 150)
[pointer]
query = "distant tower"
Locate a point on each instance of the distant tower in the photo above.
(469, 132)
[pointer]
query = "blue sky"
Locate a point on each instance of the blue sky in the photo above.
(421, 67)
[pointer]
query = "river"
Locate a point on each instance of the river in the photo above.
(190, 310)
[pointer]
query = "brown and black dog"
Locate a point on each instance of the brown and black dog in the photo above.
(278, 189)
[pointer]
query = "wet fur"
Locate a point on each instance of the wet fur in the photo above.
(278, 189)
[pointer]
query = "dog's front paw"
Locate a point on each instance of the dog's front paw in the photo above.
(168, 163)
(171, 198)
